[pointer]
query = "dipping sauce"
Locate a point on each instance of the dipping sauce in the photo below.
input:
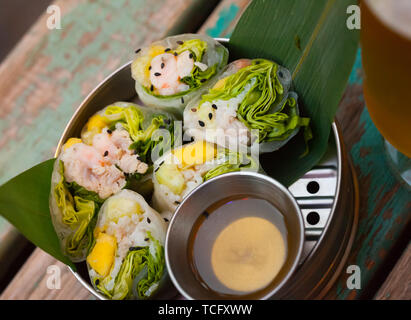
(238, 246)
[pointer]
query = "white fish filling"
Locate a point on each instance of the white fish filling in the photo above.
(95, 167)
(224, 128)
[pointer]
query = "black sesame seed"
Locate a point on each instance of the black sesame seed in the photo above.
(138, 50)
(138, 158)
(190, 56)
(109, 131)
(203, 80)
(157, 74)
(167, 121)
(148, 220)
(167, 50)
(156, 169)
(165, 219)
(201, 123)
(214, 106)
(97, 282)
(162, 65)
(177, 202)
(182, 100)
(280, 74)
(149, 68)
(162, 162)
(146, 239)
(175, 54)
(134, 248)
(180, 42)
(257, 62)
(162, 127)
(151, 88)
(106, 153)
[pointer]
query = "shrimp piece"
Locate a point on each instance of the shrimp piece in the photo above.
(242, 63)
(164, 71)
(185, 64)
(167, 70)
(115, 147)
(87, 167)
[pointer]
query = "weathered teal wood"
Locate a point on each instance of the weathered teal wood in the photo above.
(50, 72)
(385, 203)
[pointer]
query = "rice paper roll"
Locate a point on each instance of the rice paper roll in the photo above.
(186, 167)
(250, 103)
(171, 72)
(127, 258)
(113, 153)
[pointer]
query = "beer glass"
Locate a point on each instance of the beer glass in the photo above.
(386, 57)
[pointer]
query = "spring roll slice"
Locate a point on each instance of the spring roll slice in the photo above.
(127, 259)
(250, 103)
(171, 72)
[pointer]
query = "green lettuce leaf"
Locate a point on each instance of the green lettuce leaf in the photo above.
(234, 162)
(78, 213)
(140, 265)
(130, 117)
(196, 46)
(259, 108)
(77, 190)
(144, 144)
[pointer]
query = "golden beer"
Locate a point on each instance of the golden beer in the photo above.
(386, 58)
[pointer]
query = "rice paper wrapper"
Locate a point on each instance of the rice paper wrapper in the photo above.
(134, 233)
(74, 231)
(166, 200)
(215, 56)
(217, 120)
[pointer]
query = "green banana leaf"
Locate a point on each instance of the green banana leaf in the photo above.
(311, 39)
(24, 202)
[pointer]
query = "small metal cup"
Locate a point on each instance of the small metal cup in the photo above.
(231, 185)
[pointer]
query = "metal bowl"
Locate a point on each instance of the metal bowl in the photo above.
(248, 184)
(335, 203)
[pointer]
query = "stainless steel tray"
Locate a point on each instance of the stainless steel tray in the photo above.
(327, 195)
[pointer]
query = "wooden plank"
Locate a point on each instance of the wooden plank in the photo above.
(35, 281)
(398, 284)
(385, 204)
(31, 280)
(222, 21)
(49, 73)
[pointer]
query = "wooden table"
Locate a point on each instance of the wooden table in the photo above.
(50, 72)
